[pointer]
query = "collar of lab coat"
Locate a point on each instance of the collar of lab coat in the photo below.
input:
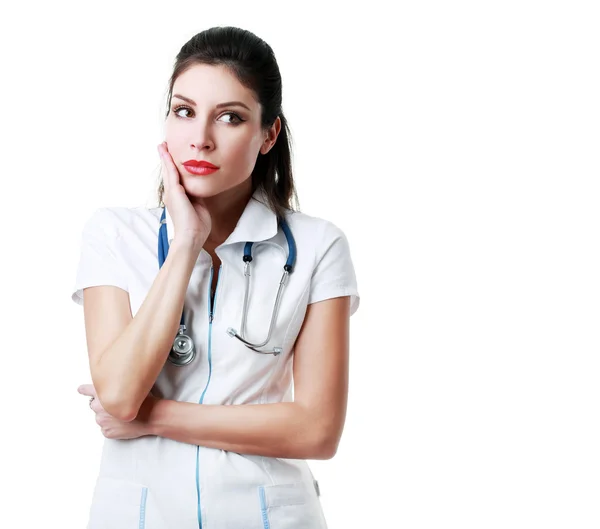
(258, 222)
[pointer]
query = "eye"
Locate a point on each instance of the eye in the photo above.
(237, 119)
(181, 107)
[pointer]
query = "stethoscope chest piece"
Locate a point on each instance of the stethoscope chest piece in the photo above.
(183, 350)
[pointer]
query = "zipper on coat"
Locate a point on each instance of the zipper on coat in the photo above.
(211, 312)
(210, 320)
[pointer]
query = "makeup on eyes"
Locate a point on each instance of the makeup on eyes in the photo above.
(220, 105)
(177, 108)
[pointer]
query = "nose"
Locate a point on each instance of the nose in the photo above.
(202, 139)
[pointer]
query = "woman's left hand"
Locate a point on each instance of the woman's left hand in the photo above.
(113, 428)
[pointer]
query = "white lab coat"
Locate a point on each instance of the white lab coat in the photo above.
(158, 483)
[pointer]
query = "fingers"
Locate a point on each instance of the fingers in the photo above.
(87, 389)
(171, 177)
(163, 161)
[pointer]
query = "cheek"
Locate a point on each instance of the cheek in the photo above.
(169, 127)
(174, 136)
(243, 154)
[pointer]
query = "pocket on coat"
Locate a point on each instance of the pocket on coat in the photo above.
(291, 506)
(118, 504)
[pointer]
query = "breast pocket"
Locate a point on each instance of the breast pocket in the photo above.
(290, 506)
(121, 504)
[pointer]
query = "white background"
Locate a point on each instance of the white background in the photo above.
(455, 143)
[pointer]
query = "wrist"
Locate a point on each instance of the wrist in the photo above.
(153, 419)
(189, 242)
(146, 414)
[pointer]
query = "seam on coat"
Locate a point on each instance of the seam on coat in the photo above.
(143, 508)
(292, 319)
(263, 508)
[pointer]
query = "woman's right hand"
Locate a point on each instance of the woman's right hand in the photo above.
(190, 220)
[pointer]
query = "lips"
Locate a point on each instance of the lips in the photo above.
(201, 163)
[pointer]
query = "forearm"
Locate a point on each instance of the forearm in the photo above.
(284, 429)
(127, 370)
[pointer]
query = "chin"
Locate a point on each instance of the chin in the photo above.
(206, 186)
(202, 189)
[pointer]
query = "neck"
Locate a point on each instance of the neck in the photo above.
(225, 210)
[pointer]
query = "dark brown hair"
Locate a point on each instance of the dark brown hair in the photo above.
(253, 62)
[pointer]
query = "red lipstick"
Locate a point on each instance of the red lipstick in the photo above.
(200, 167)
(199, 163)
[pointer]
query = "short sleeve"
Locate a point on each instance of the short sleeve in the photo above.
(334, 274)
(99, 262)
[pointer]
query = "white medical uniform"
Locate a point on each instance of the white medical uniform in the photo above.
(157, 483)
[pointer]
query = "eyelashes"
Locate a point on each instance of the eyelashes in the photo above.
(181, 107)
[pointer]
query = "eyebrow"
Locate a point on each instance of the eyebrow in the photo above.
(220, 105)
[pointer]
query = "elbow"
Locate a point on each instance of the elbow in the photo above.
(126, 414)
(326, 445)
(112, 400)
(123, 411)
(323, 437)
(117, 402)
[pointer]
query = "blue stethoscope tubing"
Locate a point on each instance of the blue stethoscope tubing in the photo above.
(183, 350)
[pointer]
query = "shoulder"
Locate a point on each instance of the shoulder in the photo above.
(119, 221)
(317, 228)
(332, 270)
(316, 232)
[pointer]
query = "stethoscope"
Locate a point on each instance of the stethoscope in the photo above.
(183, 350)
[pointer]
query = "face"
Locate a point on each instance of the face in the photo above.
(229, 136)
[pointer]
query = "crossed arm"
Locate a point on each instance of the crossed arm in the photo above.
(308, 428)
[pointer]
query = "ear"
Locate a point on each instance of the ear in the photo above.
(271, 136)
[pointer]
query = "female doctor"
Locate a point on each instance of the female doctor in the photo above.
(200, 313)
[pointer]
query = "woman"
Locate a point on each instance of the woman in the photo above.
(215, 439)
